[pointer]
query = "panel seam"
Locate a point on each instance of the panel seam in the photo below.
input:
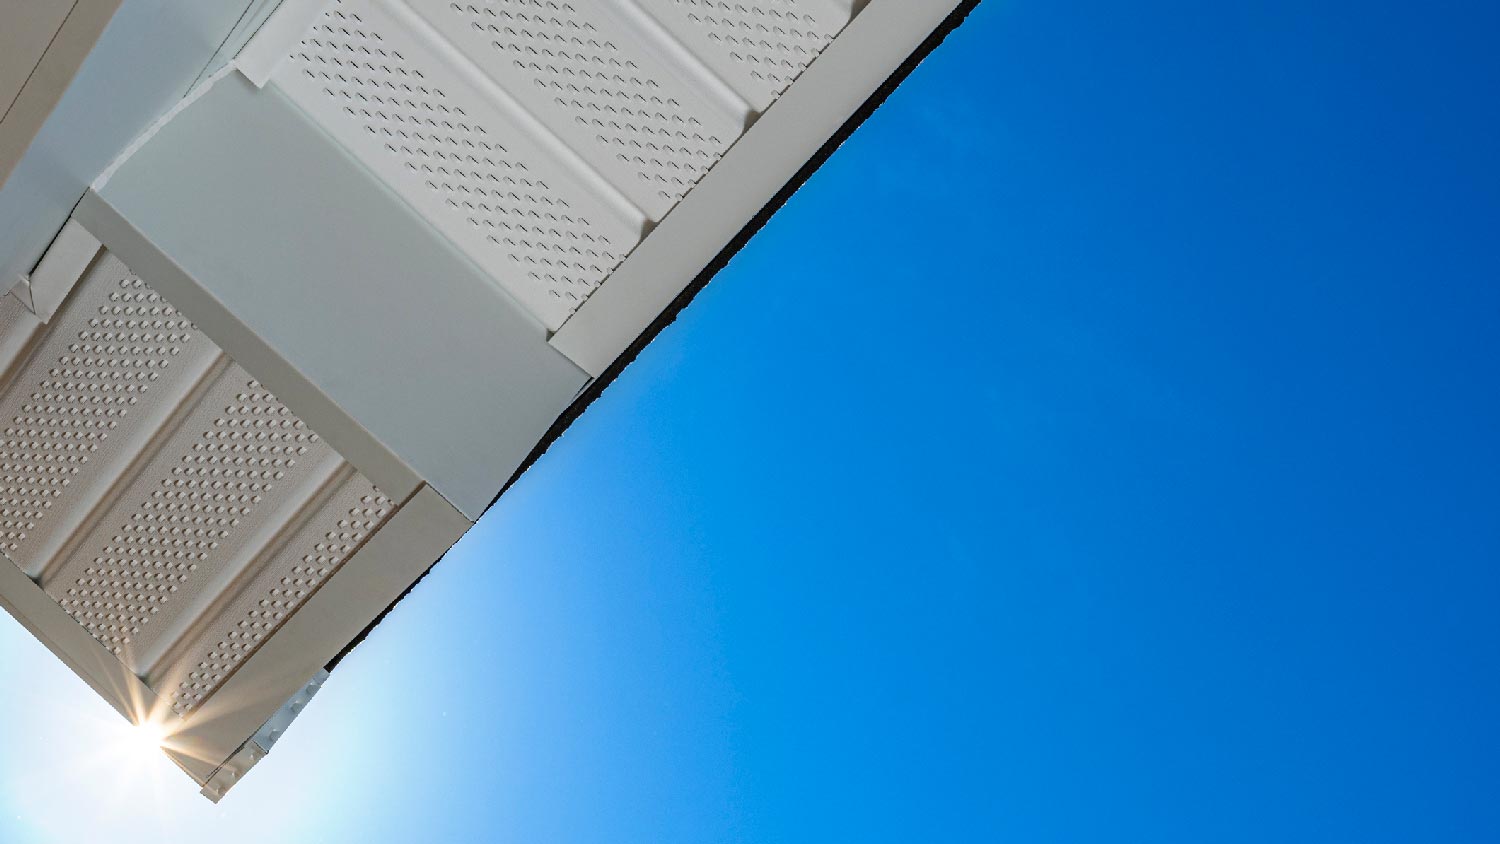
(676, 56)
(196, 623)
(572, 160)
(52, 566)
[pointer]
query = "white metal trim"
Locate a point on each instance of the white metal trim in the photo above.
(683, 62)
(415, 536)
(72, 644)
(260, 745)
(66, 260)
(626, 209)
(361, 448)
(269, 47)
(749, 175)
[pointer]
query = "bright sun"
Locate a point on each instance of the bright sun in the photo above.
(145, 740)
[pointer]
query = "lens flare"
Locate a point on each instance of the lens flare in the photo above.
(146, 739)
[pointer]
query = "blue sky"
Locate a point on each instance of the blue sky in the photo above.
(1101, 447)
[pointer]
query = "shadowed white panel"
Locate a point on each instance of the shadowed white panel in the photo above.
(476, 172)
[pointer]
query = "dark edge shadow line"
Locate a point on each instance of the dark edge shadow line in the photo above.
(668, 316)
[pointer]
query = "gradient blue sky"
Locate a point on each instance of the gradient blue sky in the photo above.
(1101, 447)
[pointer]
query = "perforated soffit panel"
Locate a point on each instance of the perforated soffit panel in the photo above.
(161, 497)
(546, 138)
(199, 517)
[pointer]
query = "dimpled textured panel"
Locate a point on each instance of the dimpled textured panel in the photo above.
(767, 43)
(456, 158)
(110, 369)
(290, 573)
(545, 138)
(188, 514)
(598, 87)
(437, 228)
(147, 482)
(633, 114)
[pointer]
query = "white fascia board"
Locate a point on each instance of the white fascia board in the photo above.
(259, 745)
(168, 519)
(352, 440)
(392, 560)
(773, 151)
(320, 281)
(175, 535)
(538, 140)
(296, 375)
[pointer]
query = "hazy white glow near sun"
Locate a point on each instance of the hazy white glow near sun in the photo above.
(145, 739)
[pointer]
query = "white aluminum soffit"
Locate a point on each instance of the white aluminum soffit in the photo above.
(545, 138)
(165, 501)
(160, 495)
(228, 446)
